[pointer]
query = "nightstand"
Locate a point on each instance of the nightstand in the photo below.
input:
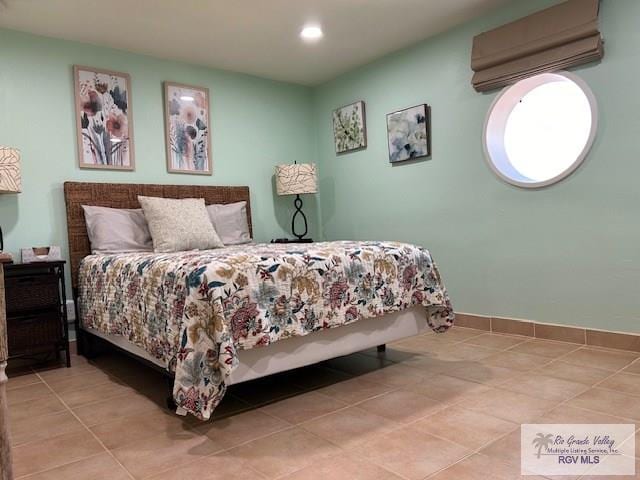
(36, 309)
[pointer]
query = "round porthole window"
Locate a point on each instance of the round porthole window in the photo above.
(539, 130)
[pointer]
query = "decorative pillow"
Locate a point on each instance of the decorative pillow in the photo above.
(230, 221)
(117, 230)
(177, 225)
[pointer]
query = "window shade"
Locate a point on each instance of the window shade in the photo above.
(559, 37)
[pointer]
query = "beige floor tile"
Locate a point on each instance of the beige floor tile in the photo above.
(569, 414)
(607, 401)
(58, 373)
(94, 393)
(496, 341)
(354, 390)
(53, 452)
(243, 427)
(342, 467)
(30, 429)
(446, 388)
(485, 374)
(479, 467)
(458, 334)
(424, 344)
(433, 363)
(633, 368)
(99, 467)
(32, 408)
(600, 358)
(515, 361)
(134, 428)
(26, 393)
(114, 408)
(574, 373)
(464, 352)
(623, 383)
(19, 381)
(303, 407)
(349, 427)
(507, 405)
(282, 453)
(215, 467)
(544, 348)
(156, 454)
(62, 385)
(402, 406)
(395, 375)
(506, 449)
(411, 453)
(468, 428)
(543, 386)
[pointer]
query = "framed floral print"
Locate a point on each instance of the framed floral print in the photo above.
(104, 125)
(350, 128)
(409, 133)
(187, 129)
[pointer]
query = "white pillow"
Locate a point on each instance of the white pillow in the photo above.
(179, 224)
(117, 230)
(230, 221)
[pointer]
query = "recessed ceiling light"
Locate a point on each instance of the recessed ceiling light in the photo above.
(311, 32)
(186, 98)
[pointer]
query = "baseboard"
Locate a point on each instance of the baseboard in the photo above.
(550, 331)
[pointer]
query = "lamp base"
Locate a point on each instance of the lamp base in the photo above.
(5, 257)
(292, 240)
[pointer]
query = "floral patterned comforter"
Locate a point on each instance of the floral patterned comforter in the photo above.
(195, 310)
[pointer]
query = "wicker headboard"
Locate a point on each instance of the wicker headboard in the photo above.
(125, 195)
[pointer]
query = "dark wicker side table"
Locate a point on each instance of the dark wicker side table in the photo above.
(36, 309)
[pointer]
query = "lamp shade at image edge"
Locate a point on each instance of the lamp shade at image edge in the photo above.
(10, 180)
(296, 179)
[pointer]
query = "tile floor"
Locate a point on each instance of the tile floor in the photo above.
(433, 406)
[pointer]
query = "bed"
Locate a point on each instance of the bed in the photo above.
(219, 317)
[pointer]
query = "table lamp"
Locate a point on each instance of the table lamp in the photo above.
(9, 183)
(297, 179)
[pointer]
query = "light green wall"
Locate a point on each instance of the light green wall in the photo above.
(567, 254)
(256, 124)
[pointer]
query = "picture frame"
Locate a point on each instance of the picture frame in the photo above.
(409, 133)
(187, 129)
(350, 127)
(104, 119)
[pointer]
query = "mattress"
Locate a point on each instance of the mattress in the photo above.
(195, 311)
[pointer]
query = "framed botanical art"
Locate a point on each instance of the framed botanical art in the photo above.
(187, 129)
(350, 128)
(409, 133)
(104, 125)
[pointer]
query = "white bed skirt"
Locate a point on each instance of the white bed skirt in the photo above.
(313, 348)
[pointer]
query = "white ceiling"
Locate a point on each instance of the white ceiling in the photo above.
(258, 37)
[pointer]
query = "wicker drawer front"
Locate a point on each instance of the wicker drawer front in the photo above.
(32, 292)
(29, 332)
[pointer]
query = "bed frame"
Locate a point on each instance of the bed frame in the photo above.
(254, 363)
